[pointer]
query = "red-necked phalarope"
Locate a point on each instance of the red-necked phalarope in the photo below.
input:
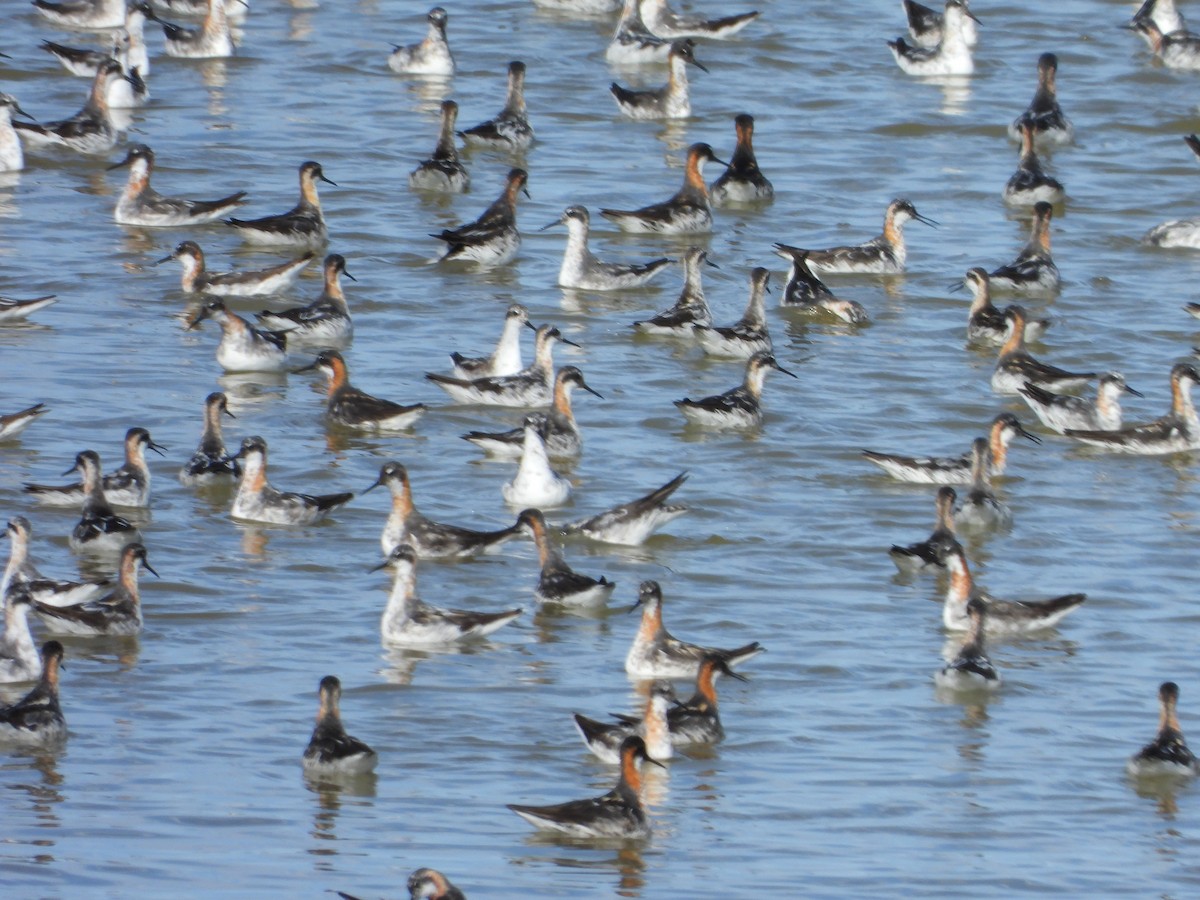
(326, 320)
(211, 463)
(970, 670)
(36, 720)
(1164, 14)
(330, 750)
(118, 613)
(697, 720)
(559, 584)
(563, 440)
(950, 56)
(1044, 115)
(582, 270)
(1179, 232)
(664, 22)
(141, 204)
(1003, 616)
(925, 25)
(748, 335)
(923, 554)
(806, 293)
(1033, 271)
(19, 310)
(954, 469)
(302, 226)
(431, 56)
(89, 14)
(443, 171)
(506, 358)
(493, 238)
(211, 40)
(1015, 366)
(127, 486)
(432, 540)
(604, 738)
(986, 322)
(686, 212)
(129, 46)
(979, 509)
(258, 501)
(12, 157)
(510, 129)
(617, 814)
(1177, 50)
(631, 523)
(536, 483)
(742, 181)
(632, 43)
(532, 386)
(430, 884)
(1030, 183)
(99, 529)
(349, 406)
(656, 654)
(12, 424)
(1168, 753)
(91, 130)
(195, 9)
(1062, 411)
(19, 660)
(670, 101)
(1176, 432)
(198, 280)
(22, 577)
(690, 308)
(408, 621)
(883, 255)
(739, 407)
(243, 347)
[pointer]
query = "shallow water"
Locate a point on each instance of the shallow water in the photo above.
(842, 773)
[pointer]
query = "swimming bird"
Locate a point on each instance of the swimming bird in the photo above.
(128, 48)
(431, 56)
(410, 622)
(686, 212)
(1062, 411)
(664, 22)
(807, 294)
(12, 424)
(748, 335)
(196, 279)
(1177, 50)
(36, 720)
(1168, 753)
(742, 181)
(1179, 232)
(213, 39)
(1176, 432)
(950, 56)
(430, 884)
(493, 238)
(604, 738)
(22, 577)
(671, 101)
(631, 523)
(690, 307)
(90, 14)
(656, 654)
(1015, 366)
(302, 226)
(19, 310)
(954, 469)
(243, 348)
(925, 25)
(532, 386)
(559, 584)
(352, 408)
(324, 321)
(128, 485)
(19, 659)
(1030, 183)
(1164, 14)
(985, 322)
(99, 529)
(12, 157)
(506, 358)
(882, 255)
(739, 407)
(257, 501)
(923, 554)
(235, 11)
(115, 614)
(211, 462)
(1033, 271)
(970, 670)
(431, 540)
(330, 750)
(617, 814)
(632, 43)
(91, 130)
(563, 439)
(980, 510)
(536, 483)
(141, 204)
(1045, 117)
(509, 129)
(443, 171)
(581, 269)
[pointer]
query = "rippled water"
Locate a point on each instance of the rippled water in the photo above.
(842, 772)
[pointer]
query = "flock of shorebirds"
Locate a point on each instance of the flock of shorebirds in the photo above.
(648, 32)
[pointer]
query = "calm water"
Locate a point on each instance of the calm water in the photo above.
(842, 773)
